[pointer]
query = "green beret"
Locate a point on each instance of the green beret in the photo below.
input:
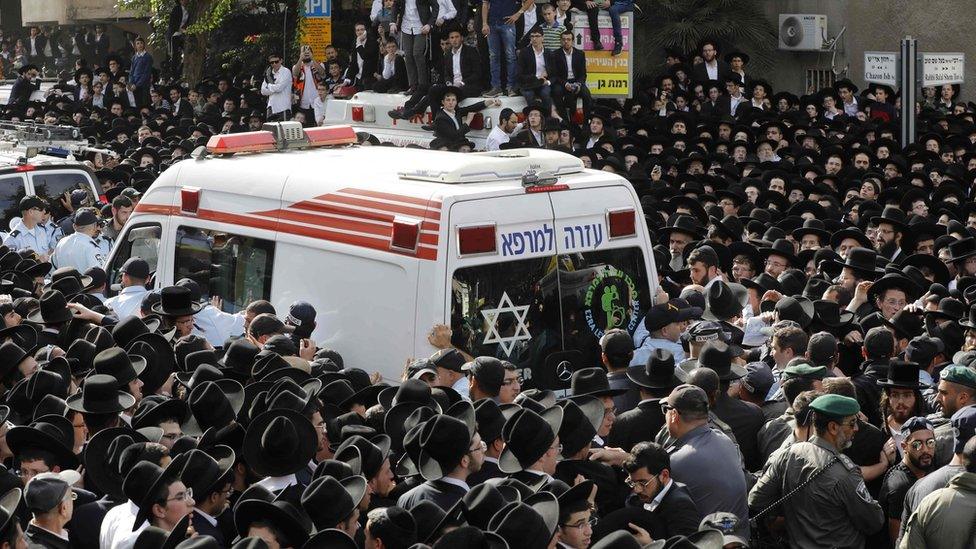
(960, 374)
(805, 370)
(836, 405)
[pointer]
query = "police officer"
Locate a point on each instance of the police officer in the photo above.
(81, 248)
(829, 504)
(29, 233)
(53, 230)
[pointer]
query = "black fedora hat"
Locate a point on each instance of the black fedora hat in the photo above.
(403, 417)
(829, 314)
(962, 249)
(131, 327)
(582, 417)
(863, 261)
(781, 247)
(717, 356)
(213, 404)
(906, 324)
(156, 373)
(279, 442)
(685, 224)
(528, 436)
(815, 287)
(792, 282)
(902, 374)
(444, 440)
(724, 300)
(657, 373)
(489, 419)
(102, 455)
(54, 434)
(116, 363)
(484, 500)
(24, 335)
(814, 227)
(153, 537)
(893, 215)
(101, 337)
(798, 309)
(970, 322)
(850, 232)
(53, 310)
(238, 359)
(412, 390)
(530, 524)
(929, 264)
(176, 301)
(895, 281)
(328, 501)
(81, 356)
(371, 452)
(284, 513)
(593, 382)
(950, 308)
(143, 481)
(204, 469)
(155, 409)
(100, 395)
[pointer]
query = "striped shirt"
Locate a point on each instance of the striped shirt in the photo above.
(551, 36)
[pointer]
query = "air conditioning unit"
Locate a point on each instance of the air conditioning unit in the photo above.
(802, 31)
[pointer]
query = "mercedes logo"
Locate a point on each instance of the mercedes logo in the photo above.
(564, 371)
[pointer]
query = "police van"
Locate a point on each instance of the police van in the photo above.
(528, 256)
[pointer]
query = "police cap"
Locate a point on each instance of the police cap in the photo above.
(960, 374)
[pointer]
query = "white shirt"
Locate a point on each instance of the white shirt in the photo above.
(734, 102)
(446, 10)
(217, 325)
(375, 9)
(277, 484)
(278, 93)
(388, 65)
(712, 69)
(309, 93)
(78, 250)
(540, 62)
(411, 18)
(659, 497)
(569, 65)
(457, 482)
(127, 302)
(497, 137)
(456, 65)
(117, 524)
(129, 541)
(461, 386)
(530, 17)
(319, 107)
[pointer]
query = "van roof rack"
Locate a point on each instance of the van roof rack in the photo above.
(495, 165)
(31, 139)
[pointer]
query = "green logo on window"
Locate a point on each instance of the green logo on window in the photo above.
(611, 302)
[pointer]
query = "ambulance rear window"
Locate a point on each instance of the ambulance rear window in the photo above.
(236, 268)
(528, 310)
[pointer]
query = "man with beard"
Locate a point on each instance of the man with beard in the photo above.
(900, 397)
(809, 523)
(918, 459)
(891, 226)
(703, 266)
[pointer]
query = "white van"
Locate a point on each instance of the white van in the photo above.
(526, 254)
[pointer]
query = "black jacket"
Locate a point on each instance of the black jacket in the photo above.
(699, 74)
(675, 515)
(745, 419)
(369, 51)
(637, 425)
(204, 528)
(40, 41)
(21, 91)
(185, 109)
(526, 68)
(38, 538)
(558, 72)
(444, 494)
(425, 9)
(611, 491)
(489, 470)
(100, 47)
(86, 522)
(399, 72)
(470, 66)
(445, 129)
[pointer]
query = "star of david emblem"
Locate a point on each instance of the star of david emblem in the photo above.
(505, 305)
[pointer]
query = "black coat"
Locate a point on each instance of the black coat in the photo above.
(369, 51)
(470, 66)
(100, 47)
(40, 42)
(611, 491)
(185, 109)
(745, 419)
(204, 528)
(399, 72)
(21, 91)
(38, 538)
(445, 129)
(558, 72)
(86, 522)
(425, 9)
(489, 470)
(526, 68)
(637, 425)
(676, 515)
(444, 494)
(699, 74)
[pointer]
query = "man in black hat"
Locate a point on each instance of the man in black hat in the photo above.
(891, 225)
(177, 308)
(390, 528)
(655, 379)
(617, 350)
(450, 373)
(449, 454)
(901, 397)
(209, 474)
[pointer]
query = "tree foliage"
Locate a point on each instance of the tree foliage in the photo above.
(682, 25)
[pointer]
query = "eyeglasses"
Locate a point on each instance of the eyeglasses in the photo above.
(917, 444)
(772, 263)
(558, 448)
(635, 483)
(591, 522)
(849, 424)
(513, 381)
(665, 407)
(184, 496)
(482, 446)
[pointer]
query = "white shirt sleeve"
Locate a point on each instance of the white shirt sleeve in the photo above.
(375, 9)
(446, 10)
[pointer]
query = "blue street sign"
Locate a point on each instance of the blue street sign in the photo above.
(318, 8)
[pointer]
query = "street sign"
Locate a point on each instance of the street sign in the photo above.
(606, 75)
(881, 67)
(317, 27)
(943, 68)
(318, 8)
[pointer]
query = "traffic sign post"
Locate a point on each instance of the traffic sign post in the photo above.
(317, 29)
(909, 67)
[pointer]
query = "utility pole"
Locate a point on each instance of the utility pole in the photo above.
(909, 88)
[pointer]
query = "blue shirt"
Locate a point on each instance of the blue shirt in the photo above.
(498, 10)
(642, 353)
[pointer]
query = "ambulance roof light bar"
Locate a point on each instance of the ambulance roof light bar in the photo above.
(278, 136)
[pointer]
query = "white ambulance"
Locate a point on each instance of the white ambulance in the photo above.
(528, 256)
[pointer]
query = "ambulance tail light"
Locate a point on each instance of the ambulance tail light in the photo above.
(477, 122)
(477, 240)
(363, 113)
(330, 135)
(406, 234)
(190, 200)
(622, 222)
(241, 142)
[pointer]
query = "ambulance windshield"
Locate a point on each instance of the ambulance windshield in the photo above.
(538, 313)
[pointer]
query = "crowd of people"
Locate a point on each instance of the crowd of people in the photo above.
(806, 378)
